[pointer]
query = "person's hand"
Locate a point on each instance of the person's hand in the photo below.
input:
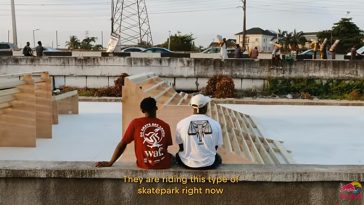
(103, 164)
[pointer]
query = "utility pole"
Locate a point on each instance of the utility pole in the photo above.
(34, 30)
(15, 37)
(244, 22)
(169, 40)
(102, 39)
(56, 39)
(8, 36)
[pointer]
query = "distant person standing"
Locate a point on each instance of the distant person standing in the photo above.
(254, 53)
(27, 51)
(333, 49)
(316, 47)
(39, 49)
(353, 53)
(323, 49)
(223, 51)
(237, 52)
(276, 55)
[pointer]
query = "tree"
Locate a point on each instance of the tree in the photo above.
(85, 44)
(73, 43)
(347, 32)
(325, 34)
(97, 47)
(181, 42)
(297, 39)
(291, 40)
(145, 44)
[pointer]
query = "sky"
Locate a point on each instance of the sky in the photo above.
(203, 18)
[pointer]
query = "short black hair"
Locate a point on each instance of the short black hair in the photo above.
(148, 105)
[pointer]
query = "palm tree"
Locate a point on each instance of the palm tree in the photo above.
(297, 38)
(73, 43)
(291, 40)
(283, 39)
(87, 43)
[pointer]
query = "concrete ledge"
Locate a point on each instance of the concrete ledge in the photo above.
(265, 101)
(99, 99)
(66, 95)
(263, 173)
(250, 101)
(60, 183)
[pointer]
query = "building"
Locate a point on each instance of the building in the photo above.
(257, 37)
(310, 37)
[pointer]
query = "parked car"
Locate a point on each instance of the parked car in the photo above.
(6, 49)
(306, 55)
(359, 54)
(157, 50)
(214, 50)
(5, 46)
(132, 49)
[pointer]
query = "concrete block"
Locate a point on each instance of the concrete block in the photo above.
(86, 53)
(255, 84)
(169, 81)
(204, 55)
(202, 83)
(238, 83)
(77, 81)
(145, 55)
(59, 81)
(186, 84)
(97, 82)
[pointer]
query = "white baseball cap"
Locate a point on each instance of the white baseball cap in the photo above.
(199, 101)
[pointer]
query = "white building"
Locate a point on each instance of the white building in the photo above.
(257, 37)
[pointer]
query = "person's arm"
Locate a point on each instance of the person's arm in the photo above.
(119, 150)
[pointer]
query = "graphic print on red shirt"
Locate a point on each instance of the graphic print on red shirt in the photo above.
(152, 137)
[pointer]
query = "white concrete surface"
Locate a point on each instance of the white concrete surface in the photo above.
(315, 134)
(92, 135)
(144, 55)
(327, 135)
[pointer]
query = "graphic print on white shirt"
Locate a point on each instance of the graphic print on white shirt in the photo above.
(190, 132)
(200, 129)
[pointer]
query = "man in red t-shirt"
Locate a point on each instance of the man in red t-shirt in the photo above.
(151, 137)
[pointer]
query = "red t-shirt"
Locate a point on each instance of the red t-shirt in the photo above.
(152, 137)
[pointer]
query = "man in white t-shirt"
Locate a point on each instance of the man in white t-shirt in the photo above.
(198, 137)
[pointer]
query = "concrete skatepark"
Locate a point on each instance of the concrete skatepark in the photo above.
(295, 183)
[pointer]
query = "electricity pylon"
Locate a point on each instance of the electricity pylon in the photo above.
(130, 22)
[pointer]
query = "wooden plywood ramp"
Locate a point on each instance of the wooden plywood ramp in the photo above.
(26, 109)
(18, 112)
(244, 143)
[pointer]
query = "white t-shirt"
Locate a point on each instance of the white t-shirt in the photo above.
(199, 135)
(223, 52)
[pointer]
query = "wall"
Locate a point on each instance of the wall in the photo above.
(184, 73)
(56, 183)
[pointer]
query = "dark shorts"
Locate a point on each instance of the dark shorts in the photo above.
(216, 163)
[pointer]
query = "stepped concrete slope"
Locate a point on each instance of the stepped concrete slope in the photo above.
(243, 142)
